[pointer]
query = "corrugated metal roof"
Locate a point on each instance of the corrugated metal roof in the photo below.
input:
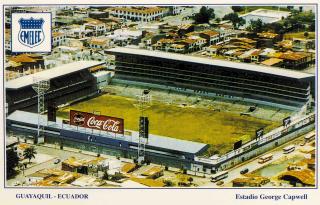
(51, 73)
(153, 141)
(193, 59)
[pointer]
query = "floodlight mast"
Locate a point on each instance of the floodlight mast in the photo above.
(40, 86)
(144, 101)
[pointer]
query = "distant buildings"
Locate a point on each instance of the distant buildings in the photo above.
(265, 15)
(144, 14)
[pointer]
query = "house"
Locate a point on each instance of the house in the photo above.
(58, 38)
(250, 56)
(302, 44)
(97, 27)
(233, 55)
(36, 177)
(99, 43)
(23, 62)
(276, 62)
(212, 37)
(163, 44)
(265, 53)
(125, 36)
(87, 181)
(267, 39)
(76, 31)
(250, 181)
(178, 48)
(98, 14)
(284, 45)
(153, 172)
(199, 42)
(294, 60)
(138, 13)
(185, 28)
(213, 50)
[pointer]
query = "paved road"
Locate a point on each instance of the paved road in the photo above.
(254, 165)
(56, 153)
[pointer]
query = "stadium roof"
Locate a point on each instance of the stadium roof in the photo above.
(153, 141)
(51, 73)
(214, 62)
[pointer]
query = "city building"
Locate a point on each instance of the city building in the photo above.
(265, 15)
(145, 14)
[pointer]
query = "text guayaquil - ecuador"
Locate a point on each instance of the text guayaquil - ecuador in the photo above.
(291, 197)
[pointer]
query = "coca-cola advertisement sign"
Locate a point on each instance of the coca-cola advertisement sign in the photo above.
(99, 122)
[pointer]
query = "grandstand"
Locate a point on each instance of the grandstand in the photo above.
(238, 81)
(67, 83)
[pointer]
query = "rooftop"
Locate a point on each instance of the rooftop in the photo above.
(193, 59)
(51, 73)
(154, 140)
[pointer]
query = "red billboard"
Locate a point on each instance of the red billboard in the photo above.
(98, 122)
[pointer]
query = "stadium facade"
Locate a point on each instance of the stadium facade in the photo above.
(237, 81)
(68, 82)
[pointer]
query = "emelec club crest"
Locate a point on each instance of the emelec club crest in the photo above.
(31, 32)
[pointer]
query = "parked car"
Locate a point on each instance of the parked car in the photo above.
(56, 161)
(244, 171)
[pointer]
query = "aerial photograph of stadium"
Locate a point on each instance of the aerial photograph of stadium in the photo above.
(214, 96)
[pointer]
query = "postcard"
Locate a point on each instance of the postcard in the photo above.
(112, 102)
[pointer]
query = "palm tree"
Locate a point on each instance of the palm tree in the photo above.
(29, 153)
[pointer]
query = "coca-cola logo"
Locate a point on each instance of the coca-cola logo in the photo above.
(99, 122)
(107, 125)
(78, 119)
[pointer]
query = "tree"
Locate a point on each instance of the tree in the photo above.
(290, 8)
(190, 180)
(237, 8)
(29, 153)
(235, 20)
(306, 34)
(300, 8)
(204, 15)
(12, 162)
(256, 26)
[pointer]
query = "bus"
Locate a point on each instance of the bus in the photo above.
(219, 176)
(288, 149)
(265, 158)
(310, 136)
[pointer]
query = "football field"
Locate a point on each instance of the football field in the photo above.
(219, 129)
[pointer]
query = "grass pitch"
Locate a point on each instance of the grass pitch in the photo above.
(219, 129)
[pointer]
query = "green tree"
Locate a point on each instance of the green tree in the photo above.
(235, 20)
(204, 15)
(29, 153)
(306, 34)
(256, 26)
(290, 8)
(300, 8)
(12, 162)
(190, 180)
(237, 8)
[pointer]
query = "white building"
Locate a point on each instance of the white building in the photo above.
(98, 27)
(266, 16)
(58, 38)
(145, 14)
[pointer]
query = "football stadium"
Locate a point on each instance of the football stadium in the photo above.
(202, 114)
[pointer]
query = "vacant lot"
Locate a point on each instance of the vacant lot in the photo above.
(219, 129)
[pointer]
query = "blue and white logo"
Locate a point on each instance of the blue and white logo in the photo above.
(31, 32)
